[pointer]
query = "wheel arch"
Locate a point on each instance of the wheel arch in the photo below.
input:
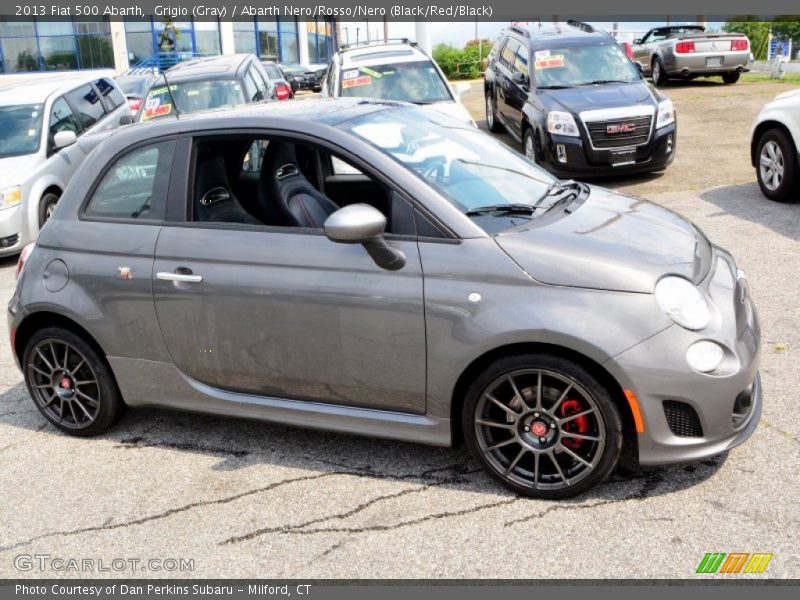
(481, 363)
(41, 319)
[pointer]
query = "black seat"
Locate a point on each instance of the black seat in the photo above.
(213, 198)
(286, 196)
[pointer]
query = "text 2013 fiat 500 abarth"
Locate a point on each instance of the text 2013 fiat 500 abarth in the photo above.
(372, 268)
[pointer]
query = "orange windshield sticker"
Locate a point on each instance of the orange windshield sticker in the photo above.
(158, 111)
(365, 80)
(549, 62)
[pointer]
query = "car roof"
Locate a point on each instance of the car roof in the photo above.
(212, 67)
(544, 34)
(380, 54)
(35, 89)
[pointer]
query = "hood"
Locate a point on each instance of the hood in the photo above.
(611, 242)
(787, 95)
(15, 169)
(451, 109)
(591, 97)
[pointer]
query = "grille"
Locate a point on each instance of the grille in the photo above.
(682, 419)
(598, 131)
(9, 241)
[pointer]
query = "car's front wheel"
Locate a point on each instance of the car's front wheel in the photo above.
(529, 144)
(491, 115)
(46, 207)
(777, 166)
(70, 383)
(730, 78)
(542, 426)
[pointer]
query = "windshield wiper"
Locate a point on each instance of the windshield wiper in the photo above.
(599, 81)
(561, 190)
(503, 209)
(554, 87)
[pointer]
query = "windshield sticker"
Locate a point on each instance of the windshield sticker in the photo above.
(541, 54)
(152, 102)
(549, 62)
(365, 80)
(193, 93)
(31, 132)
(161, 90)
(369, 71)
(351, 74)
(158, 111)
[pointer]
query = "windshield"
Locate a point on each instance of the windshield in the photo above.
(21, 128)
(417, 82)
(468, 167)
(582, 65)
(192, 96)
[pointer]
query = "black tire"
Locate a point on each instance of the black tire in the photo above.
(80, 364)
(491, 114)
(529, 144)
(783, 148)
(730, 78)
(46, 206)
(562, 481)
(659, 75)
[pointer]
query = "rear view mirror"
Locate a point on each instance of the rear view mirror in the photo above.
(364, 224)
(62, 139)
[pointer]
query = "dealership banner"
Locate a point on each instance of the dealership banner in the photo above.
(398, 10)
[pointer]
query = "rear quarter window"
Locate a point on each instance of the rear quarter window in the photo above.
(87, 105)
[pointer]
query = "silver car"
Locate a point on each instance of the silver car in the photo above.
(372, 268)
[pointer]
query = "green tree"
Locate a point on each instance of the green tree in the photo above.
(757, 31)
(463, 63)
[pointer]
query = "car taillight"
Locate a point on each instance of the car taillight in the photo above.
(628, 49)
(740, 44)
(684, 47)
(135, 104)
(23, 257)
(282, 91)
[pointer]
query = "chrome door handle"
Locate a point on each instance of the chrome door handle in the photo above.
(179, 277)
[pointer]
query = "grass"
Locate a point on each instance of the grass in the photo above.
(788, 78)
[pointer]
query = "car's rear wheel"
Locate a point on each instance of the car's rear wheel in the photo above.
(70, 383)
(730, 78)
(46, 207)
(777, 167)
(659, 75)
(542, 426)
(491, 115)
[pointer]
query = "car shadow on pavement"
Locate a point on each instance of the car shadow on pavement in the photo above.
(746, 202)
(243, 444)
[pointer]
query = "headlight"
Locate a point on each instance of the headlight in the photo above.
(683, 302)
(562, 123)
(666, 114)
(10, 197)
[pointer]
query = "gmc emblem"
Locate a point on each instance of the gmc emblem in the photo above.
(621, 128)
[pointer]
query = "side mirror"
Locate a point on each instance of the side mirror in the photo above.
(519, 78)
(462, 87)
(126, 119)
(62, 139)
(637, 42)
(640, 67)
(364, 224)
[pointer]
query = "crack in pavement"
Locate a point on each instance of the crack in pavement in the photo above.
(140, 442)
(169, 512)
(785, 434)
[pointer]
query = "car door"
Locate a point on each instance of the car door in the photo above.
(518, 88)
(285, 312)
(505, 86)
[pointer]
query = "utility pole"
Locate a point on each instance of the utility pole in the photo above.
(385, 30)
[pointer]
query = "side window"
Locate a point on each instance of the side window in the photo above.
(62, 118)
(87, 105)
(508, 54)
(261, 81)
(498, 43)
(250, 89)
(110, 92)
(135, 187)
(273, 72)
(521, 60)
(341, 167)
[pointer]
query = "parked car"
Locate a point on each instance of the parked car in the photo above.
(301, 77)
(775, 140)
(283, 90)
(206, 84)
(398, 71)
(688, 51)
(209, 264)
(583, 109)
(135, 86)
(40, 122)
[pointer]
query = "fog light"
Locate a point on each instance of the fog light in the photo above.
(704, 356)
(669, 143)
(561, 152)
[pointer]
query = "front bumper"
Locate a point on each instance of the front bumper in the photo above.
(583, 160)
(657, 373)
(13, 232)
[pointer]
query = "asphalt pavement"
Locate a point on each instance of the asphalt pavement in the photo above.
(245, 499)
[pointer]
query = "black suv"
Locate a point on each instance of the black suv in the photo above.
(584, 108)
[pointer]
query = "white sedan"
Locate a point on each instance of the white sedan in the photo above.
(773, 149)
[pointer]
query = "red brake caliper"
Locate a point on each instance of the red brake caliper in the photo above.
(568, 408)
